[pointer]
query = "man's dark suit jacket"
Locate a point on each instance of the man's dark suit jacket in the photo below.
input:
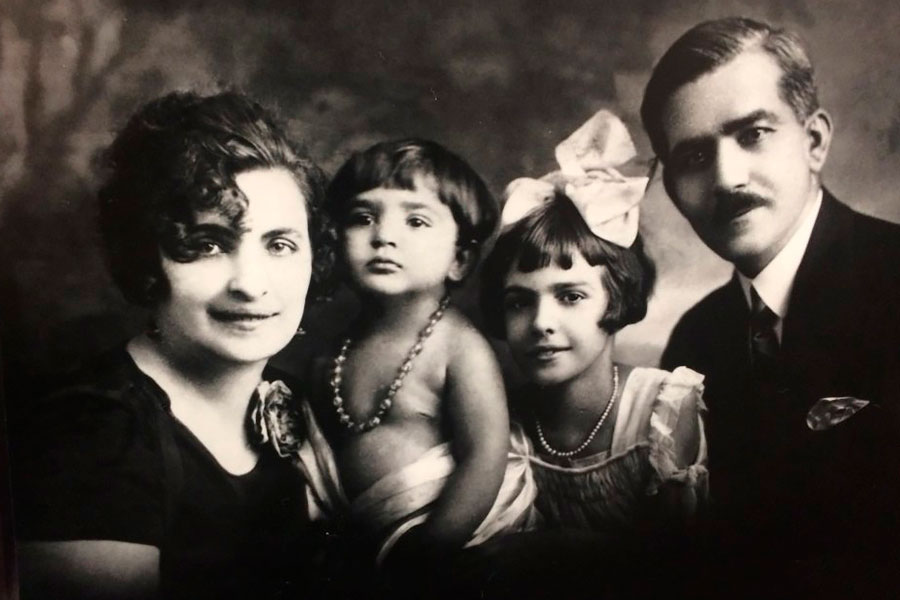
(777, 486)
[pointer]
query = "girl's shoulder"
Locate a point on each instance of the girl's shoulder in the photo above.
(651, 395)
(675, 431)
(646, 385)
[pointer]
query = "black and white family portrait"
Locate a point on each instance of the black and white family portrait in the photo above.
(491, 300)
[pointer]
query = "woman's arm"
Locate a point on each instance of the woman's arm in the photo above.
(479, 424)
(96, 569)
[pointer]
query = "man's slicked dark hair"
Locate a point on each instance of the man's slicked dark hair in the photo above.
(711, 44)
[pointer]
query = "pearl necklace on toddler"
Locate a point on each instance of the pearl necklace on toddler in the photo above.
(590, 437)
(375, 420)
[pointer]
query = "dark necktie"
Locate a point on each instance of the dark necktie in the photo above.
(765, 420)
(763, 338)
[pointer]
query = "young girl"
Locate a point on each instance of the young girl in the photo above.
(414, 434)
(614, 447)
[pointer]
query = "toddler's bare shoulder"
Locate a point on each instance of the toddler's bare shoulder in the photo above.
(458, 327)
(462, 340)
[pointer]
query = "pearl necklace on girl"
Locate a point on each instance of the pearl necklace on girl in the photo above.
(590, 437)
(375, 420)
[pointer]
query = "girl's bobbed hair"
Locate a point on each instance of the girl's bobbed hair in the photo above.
(554, 233)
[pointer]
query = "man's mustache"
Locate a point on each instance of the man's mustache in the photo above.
(731, 204)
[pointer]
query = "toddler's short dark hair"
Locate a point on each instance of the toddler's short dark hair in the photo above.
(397, 164)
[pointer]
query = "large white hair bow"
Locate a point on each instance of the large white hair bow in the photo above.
(607, 200)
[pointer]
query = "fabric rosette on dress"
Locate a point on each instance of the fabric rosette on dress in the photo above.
(273, 419)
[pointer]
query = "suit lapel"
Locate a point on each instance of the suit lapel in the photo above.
(736, 343)
(726, 362)
(821, 309)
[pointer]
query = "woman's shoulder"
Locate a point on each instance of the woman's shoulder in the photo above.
(103, 413)
(88, 444)
(110, 382)
(105, 404)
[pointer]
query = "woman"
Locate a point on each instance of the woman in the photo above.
(144, 476)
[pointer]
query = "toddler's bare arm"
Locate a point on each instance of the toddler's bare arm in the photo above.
(479, 423)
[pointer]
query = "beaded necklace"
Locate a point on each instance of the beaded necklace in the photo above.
(375, 420)
(590, 437)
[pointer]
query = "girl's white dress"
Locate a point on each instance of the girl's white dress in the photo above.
(609, 491)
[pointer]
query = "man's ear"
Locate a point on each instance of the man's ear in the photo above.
(818, 131)
(464, 262)
(668, 184)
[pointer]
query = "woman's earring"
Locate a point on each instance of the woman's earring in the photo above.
(300, 332)
(153, 330)
(150, 285)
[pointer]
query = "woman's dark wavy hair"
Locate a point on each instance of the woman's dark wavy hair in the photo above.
(179, 155)
(396, 165)
(554, 233)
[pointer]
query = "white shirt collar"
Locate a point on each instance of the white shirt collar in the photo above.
(775, 282)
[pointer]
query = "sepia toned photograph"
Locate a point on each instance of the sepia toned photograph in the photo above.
(497, 299)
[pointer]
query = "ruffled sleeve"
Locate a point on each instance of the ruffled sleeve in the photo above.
(680, 391)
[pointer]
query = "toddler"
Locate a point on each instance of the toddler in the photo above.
(409, 436)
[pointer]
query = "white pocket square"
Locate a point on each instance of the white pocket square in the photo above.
(828, 412)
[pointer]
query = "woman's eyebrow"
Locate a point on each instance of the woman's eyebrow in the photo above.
(567, 285)
(220, 229)
(284, 231)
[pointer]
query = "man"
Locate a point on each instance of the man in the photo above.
(810, 315)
